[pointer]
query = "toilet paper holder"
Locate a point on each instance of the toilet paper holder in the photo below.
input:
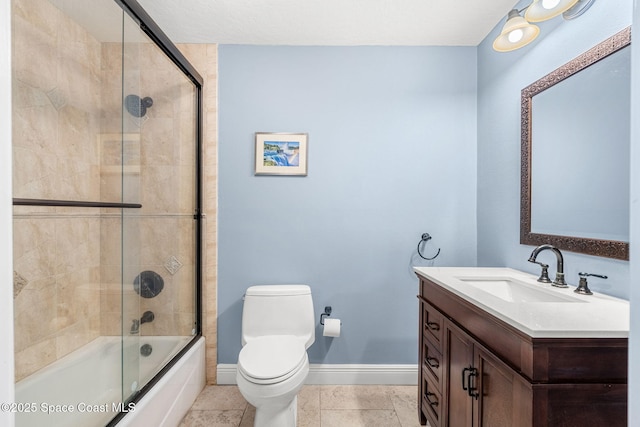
(327, 312)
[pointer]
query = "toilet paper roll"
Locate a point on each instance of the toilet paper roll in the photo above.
(331, 328)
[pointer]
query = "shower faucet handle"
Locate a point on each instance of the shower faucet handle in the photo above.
(135, 327)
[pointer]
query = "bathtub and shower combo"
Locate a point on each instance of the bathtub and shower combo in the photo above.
(106, 144)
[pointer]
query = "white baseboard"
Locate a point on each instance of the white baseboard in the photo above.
(343, 374)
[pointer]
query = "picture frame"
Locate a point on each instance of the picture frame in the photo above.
(281, 153)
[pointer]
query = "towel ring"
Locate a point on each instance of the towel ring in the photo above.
(425, 238)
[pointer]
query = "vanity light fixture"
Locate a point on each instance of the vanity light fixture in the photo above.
(541, 10)
(580, 7)
(518, 31)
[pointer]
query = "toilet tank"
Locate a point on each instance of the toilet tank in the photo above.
(278, 310)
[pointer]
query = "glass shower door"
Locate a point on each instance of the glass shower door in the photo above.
(133, 116)
(160, 239)
(105, 186)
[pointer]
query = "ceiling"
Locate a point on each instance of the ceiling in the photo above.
(329, 22)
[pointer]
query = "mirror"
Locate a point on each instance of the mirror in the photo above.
(575, 126)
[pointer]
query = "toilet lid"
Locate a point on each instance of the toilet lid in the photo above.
(271, 357)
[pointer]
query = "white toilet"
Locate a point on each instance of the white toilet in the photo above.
(278, 325)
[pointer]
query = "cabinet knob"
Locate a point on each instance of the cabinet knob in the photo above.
(433, 326)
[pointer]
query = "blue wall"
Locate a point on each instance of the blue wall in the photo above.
(634, 335)
(501, 77)
(392, 154)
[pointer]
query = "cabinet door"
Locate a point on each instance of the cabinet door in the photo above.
(505, 398)
(458, 355)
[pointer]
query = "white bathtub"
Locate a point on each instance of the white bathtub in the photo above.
(83, 389)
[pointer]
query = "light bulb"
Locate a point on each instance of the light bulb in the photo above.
(550, 4)
(515, 35)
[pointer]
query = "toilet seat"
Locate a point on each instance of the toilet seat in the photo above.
(272, 359)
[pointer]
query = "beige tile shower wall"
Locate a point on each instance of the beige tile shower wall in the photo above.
(204, 58)
(158, 154)
(56, 101)
(167, 192)
(56, 69)
(119, 182)
(67, 120)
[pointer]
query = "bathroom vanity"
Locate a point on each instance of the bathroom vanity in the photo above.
(497, 348)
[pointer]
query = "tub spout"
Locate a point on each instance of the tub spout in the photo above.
(147, 317)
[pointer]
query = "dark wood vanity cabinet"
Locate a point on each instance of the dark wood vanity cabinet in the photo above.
(476, 370)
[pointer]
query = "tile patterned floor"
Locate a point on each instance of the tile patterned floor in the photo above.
(318, 406)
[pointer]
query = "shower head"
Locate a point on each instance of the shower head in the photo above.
(137, 106)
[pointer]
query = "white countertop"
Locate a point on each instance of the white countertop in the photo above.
(588, 316)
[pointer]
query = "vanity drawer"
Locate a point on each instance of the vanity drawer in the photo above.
(432, 362)
(431, 402)
(433, 325)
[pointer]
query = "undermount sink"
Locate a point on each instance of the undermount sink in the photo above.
(511, 290)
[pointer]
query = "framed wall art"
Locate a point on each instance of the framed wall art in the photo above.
(281, 153)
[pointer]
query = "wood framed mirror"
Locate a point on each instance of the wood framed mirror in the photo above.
(575, 139)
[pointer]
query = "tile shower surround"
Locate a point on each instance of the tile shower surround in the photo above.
(55, 100)
(68, 268)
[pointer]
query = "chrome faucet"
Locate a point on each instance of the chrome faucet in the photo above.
(544, 277)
